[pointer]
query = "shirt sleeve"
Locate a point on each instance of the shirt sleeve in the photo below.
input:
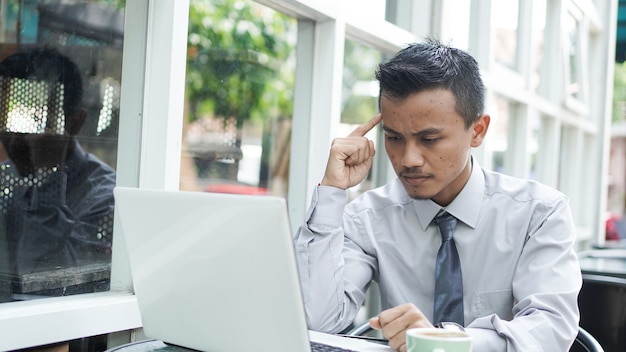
(545, 289)
(331, 300)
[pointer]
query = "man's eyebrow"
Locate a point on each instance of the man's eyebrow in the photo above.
(387, 129)
(424, 132)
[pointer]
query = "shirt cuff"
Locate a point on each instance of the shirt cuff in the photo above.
(328, 205)
(486, 340)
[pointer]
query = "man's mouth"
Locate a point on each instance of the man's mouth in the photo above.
(414, 179)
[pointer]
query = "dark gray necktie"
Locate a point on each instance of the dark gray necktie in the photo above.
(448, 278)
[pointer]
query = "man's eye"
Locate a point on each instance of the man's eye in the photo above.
(393, 138)
(429, 140)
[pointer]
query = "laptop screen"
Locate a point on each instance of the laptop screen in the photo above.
(213, 271)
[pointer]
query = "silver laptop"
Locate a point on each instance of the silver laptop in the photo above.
(216, 272)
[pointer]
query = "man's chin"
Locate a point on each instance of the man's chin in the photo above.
(418, 196)
(417, 193)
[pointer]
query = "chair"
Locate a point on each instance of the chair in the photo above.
(584, 342)
(602, 303)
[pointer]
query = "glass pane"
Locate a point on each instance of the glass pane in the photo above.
(567, 147)
(60, 76)
(543, 129)
(505, 16)
(240, 78)
(571, 47)
(359, 97)
(532, 146)
(616, 197)
(498, 132)
(455, 23)
(538, 27)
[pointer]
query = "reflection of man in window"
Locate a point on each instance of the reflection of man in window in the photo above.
(56, 199)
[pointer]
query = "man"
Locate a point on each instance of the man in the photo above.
(519, 274)
(57, 200)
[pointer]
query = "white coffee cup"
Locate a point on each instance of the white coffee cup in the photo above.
(437, 340)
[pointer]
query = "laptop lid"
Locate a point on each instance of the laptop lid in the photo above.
(213, 272)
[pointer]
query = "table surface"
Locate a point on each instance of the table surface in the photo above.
(149, 345)
(611, 262)
(354, 344)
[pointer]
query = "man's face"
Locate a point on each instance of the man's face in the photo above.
(34, 133)
(428, 144)
(30, 152)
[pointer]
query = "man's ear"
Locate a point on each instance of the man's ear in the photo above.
(480, 127)
(75, 121)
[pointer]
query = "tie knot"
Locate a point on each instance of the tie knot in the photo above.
(447, 224)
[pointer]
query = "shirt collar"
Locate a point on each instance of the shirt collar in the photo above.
(465, 207)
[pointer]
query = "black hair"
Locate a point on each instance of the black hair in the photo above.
(433, 65)
(48, 65)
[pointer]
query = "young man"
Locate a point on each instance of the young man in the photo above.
(519, 274)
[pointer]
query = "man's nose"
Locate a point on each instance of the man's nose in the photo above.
(412, 156)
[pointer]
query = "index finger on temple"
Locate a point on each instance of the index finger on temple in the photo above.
(366, 127)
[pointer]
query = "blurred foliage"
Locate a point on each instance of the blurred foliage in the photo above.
(238, 52)
(360, 64)
(119, 4)
(619, 92)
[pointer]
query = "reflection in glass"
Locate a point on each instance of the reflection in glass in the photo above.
(27, 106)
(60, 74)
(240, 77)
(505, 19)
(359, 96)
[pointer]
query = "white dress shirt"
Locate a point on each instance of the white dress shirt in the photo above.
(515, 239)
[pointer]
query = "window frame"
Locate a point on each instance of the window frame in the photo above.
(151, 28)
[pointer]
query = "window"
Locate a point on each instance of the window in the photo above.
(532, 147)
(505, 17)
(60, 80)
(360, 98)
(497, 136)
(546, 133)
(239, 98)
(538, 28)
(572, 47)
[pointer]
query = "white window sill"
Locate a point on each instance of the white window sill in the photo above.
(50, 320)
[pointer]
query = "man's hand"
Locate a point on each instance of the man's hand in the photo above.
(395, 321)
(351, 157)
